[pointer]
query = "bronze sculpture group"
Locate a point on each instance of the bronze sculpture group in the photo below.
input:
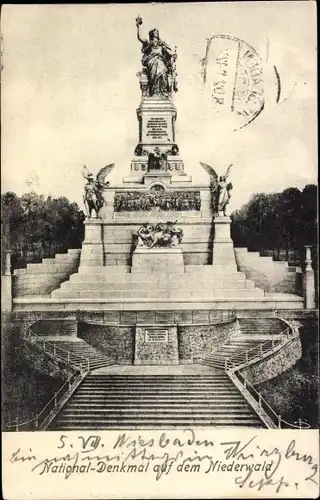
(161, 235)
(163, 200)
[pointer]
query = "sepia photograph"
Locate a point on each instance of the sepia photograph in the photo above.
(159, 256)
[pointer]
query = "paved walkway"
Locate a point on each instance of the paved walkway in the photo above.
(156, 370)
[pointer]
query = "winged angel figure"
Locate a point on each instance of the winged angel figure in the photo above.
(220, 189)
(93, 198)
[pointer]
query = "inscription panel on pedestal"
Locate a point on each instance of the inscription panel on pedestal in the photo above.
(157, 128)
(156, 336)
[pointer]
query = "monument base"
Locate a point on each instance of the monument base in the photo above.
(92, 247)
(156, 345)
(150, 260)
(222, 250)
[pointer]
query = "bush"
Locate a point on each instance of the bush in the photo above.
(294, 393)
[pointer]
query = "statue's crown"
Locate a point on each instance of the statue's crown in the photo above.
(153, 32)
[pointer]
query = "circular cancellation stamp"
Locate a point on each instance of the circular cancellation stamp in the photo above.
(232, 73)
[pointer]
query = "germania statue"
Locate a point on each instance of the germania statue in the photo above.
(220, 189)
(159, 65)
(93, 197)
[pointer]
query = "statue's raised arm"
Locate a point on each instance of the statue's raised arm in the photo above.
(138, 24)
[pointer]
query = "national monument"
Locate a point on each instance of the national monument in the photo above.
(158, 280)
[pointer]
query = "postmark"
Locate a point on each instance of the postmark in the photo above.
(233, 79)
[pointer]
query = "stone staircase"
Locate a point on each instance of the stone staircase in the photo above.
(255, 333)
(42, 278)
(268, 274)
(78, 351)
(105, 401)
(234, 347)
(118, 282)
(261, 326)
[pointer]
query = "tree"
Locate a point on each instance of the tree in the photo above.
(39, 226)
(277, 221)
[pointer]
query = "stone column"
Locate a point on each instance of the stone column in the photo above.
(6, 284)
(222, 247)
(309, 285)
(92, 246)
(7, 270)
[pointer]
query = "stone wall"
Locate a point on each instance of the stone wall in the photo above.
(274, 364)
(154, 317)
(156, 345)
(55, 328)
(124, 345)
(194, 340)
(117, 342)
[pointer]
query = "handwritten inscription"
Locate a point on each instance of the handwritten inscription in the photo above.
(157, 128)
(251, 465)
(156, 336)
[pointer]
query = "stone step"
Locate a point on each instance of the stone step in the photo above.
(198, 405)
(74, 426)
(156, 277)
(30, 277)
(148, 286)
(49, 269)
(92, 270)
(185, 399)
(208, 268)
(161, 294)
(161, 413)
(48, 260)
(63, 257)
(157, 391)
(101, 385)
(221, 376)
(156, 417)
(19, 272)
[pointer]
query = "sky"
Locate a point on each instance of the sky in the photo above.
(70, 92)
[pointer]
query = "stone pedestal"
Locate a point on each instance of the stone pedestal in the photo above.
(106, 212)
(6, 285)
(156, 118)
(92, 246)
(166, 260)
(222, 247)
(309, 282)
(156, 345)
(6, 293)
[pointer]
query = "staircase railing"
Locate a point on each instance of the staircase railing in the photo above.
(259, 351)
(233, 367)
(56, 351)
(47, 414)
(264, 406)
(80, 366)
